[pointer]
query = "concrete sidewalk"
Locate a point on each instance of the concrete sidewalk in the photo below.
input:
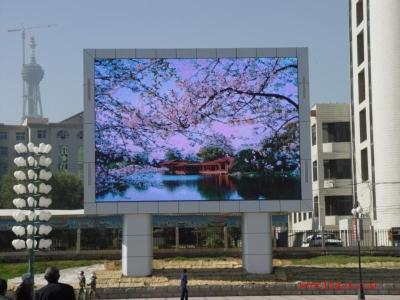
(316, 297)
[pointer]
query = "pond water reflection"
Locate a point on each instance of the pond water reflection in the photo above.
(162, 187)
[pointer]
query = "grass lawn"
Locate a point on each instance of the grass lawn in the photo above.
(341, 260)
(11, 270)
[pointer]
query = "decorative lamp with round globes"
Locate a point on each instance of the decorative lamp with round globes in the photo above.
(32, 174)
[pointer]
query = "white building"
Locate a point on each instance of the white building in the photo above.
(375, 76)
(331, 161)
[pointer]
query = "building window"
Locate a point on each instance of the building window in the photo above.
(336, 132)
(314, 135)
(3, 151)
(314, 171)
(20, 136)
(299, 217)
(41, 134)
(63, 134)
(295, 217)
(359, 12)
(360, 48)
(364, 164)
(338, 205)
(361, 86)
(363, 125)
(3, 135)
(304, 216)
(310, 214)
(337, 169)
(316, 207)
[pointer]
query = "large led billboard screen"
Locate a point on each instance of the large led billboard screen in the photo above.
(186, 129)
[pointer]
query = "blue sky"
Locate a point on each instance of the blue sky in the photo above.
(321, 25)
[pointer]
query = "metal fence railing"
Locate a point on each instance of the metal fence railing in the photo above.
(335, 238)
(207, 237)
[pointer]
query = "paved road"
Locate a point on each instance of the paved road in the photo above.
(316, 297)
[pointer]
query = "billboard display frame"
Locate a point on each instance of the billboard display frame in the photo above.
(194, 206)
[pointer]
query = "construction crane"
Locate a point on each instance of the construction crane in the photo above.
(22, 29)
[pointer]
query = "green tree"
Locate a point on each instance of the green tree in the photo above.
(210, 153)
(67, 191)
(248, 160)
(173, 154)
(7, 193)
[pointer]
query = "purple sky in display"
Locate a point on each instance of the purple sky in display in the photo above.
(240, 136)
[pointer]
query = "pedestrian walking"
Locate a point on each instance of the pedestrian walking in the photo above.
(3, 290)
(25, 289)
(92, 283)
(82, 286)
(55, 290)
(184, 282)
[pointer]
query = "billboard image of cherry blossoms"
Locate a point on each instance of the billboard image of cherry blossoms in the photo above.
(197, 129)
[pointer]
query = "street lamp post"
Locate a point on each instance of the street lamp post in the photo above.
(32, 199)
(356, 211)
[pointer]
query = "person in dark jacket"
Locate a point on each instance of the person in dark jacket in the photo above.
(3, 290)
(55, 290)
(184, 282)
(24, 290)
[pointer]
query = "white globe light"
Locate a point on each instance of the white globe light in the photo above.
(44, 215)
(45, 175)
(20, 162)
(31, 147)
(31, 202)
(19, 189)
(44, 243)
(47, 148)
(19, 216)
(18, 244)
(359, 210)
(32, 188)
(20, 148)
(18, 230)
(44, 202)
(42, 147)
(45, 229)
(31, 161)
(42, 159)
(31, 243)
(30, 229)
(19, 203)
(32, 174)
(354, 211)
(45, 188)
(48, 161)
(20, 175)
(31, 216)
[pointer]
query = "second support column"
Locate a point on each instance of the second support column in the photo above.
(137, 245)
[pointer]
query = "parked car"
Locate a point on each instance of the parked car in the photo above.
(315, 240)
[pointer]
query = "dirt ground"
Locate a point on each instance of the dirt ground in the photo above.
(229, 271)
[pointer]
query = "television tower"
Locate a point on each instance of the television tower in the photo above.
(32, 73)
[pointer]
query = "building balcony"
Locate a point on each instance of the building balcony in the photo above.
(342, 147)
(337, 183)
